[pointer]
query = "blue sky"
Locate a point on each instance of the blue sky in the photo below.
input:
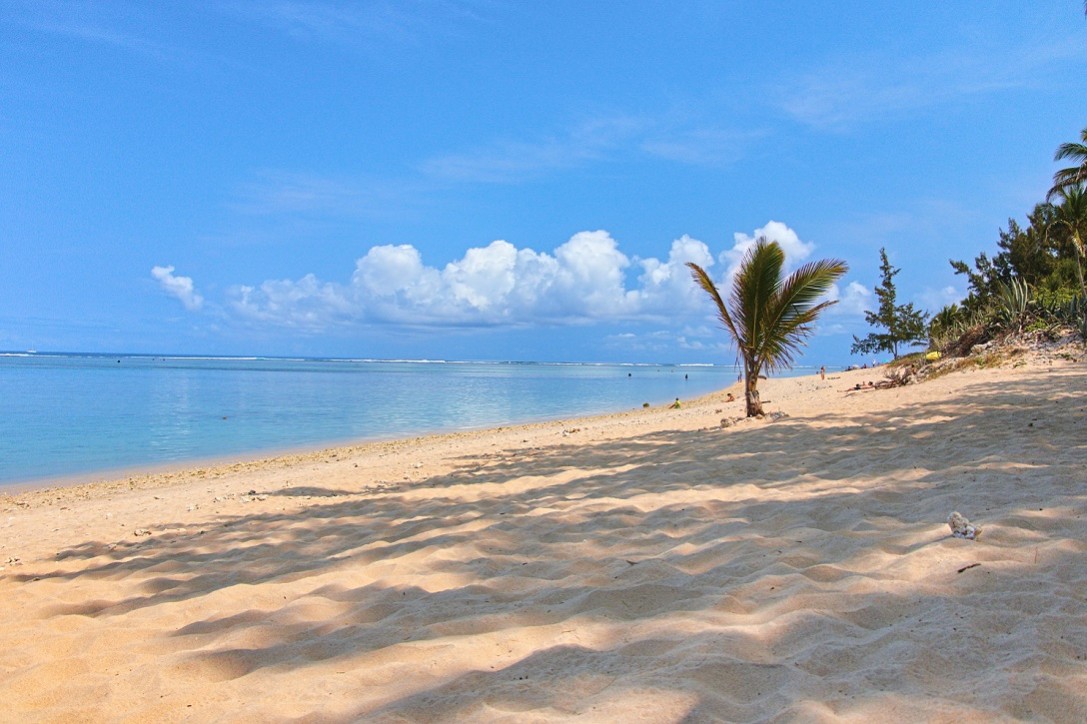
(503, 180)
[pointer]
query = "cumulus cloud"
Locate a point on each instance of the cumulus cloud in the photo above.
(586, 279)
(796, 251)
(180, 287)
(666, 285)
(855, 300)
(307, 304)
(494, 284)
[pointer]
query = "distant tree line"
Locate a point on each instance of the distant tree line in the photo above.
(1037, 281)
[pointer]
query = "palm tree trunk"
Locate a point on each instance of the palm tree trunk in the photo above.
(751, 383)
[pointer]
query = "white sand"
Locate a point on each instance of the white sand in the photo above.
(646, 566)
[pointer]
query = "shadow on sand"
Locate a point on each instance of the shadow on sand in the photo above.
(738, 574)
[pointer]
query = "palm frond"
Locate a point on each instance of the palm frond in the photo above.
(755, 285)
(1074, 175)
(794, 310)
(1073, 149)
(703, 280)
(1071, 214)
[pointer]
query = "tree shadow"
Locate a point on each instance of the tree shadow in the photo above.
(745, 562)
(309, 491)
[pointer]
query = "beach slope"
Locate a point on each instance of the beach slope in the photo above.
(650, 565)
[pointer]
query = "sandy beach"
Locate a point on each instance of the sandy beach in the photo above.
(650, 565)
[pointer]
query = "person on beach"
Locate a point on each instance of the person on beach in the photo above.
(675, 405)
(822, 372)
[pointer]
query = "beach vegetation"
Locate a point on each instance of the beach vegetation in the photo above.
(1071, 217)
(945, 325)
(904, 325)
(990, 358)
(1012, 305)
(915, 359)
(1037, 280)
(767, 315)
(1041, 257)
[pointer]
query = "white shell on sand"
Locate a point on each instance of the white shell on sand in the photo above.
(961, 527)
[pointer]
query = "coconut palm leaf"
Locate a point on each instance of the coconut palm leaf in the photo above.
(1073, 175)
(703, 280)
(754, 289)
(1071, 215)
(794, 310)
(804, 286)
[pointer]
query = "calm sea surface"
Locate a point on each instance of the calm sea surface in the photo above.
(66, 415)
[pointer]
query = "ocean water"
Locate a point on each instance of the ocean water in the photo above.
(73, 415)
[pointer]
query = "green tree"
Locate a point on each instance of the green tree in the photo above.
(1071, 216)
(945, 323)
(904, 324)
(1073, 175)
(768, 317)
(1043, 255)
(983, 280)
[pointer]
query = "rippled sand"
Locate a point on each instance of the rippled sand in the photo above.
(648, 565)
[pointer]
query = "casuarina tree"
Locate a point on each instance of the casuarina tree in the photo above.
(769, 316)
(904, 324)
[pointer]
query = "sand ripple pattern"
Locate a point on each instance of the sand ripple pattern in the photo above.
(669, 572)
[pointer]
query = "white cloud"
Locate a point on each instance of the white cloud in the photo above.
(591, 272)
(497, 284)
(666, 287)
(484, 278)
(180, 287)
(391, 284)
(588, 278)
(796, 250)
(856, 299)
(307, 304)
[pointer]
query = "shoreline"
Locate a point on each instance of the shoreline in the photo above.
(107, 473)
(141, 476)
(642, 564)
(270, 456)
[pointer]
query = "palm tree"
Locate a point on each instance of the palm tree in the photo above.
(1071, 215)
(1073, 175)
(770, 316)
